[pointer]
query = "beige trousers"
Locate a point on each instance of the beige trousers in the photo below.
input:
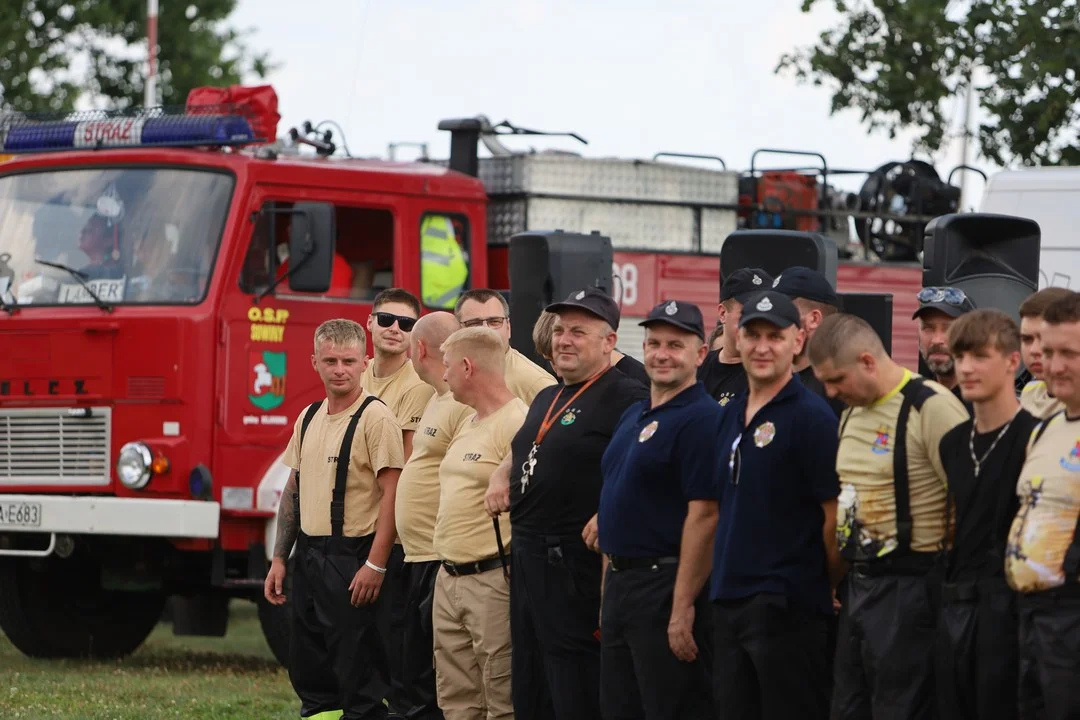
(471, 619)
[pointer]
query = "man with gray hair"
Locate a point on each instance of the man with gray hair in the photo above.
(338, 507)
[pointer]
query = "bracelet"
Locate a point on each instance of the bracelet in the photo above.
(376, 568)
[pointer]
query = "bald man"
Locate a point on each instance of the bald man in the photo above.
(416, 507)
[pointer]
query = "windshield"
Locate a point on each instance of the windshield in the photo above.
(127, 236)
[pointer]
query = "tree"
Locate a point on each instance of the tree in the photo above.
(899, 62)
(57, 53)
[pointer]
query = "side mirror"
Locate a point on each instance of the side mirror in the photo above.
(311, 247)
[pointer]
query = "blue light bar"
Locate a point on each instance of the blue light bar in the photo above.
(126, 132)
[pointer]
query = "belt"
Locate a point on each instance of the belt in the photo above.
(913, 564)
(619, 563)
(460, 569)
(330, 545)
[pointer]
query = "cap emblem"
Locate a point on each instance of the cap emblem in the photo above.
(580, 295)
(765, 305)
(776, 282)
(757, 280)
(671, 308)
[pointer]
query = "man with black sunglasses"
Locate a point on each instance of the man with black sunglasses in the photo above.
(774, 561)
(393, 379)
(938, 308)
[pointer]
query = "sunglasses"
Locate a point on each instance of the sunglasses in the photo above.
(735, 460)
(947, 295)
(492, 322)
(386, 320)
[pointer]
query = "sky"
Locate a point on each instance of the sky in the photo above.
(633, 77)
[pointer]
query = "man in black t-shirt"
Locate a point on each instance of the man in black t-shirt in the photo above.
(722, 372)
(554, 494)
(977, 658)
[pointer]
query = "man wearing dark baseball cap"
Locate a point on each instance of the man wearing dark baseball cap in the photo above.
(657, 518)
(554, 495)
(779, 473)
(722, 372)
(602, 305)
(938, 307)
(816, 300)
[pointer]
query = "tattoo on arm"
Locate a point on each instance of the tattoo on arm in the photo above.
(288, 519)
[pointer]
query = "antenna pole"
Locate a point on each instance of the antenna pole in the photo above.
(151, 41)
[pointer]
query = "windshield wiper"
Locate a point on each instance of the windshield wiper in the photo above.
(81, 277)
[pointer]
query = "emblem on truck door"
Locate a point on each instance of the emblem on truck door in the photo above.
(266, 382)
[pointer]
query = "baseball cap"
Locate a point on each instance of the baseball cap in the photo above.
(772, 307)
(743, 283)
(683, 315)
(592, 300)
(805, 283)
(954, 302)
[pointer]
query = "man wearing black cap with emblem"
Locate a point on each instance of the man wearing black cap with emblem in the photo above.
(775, 560)
(938, 307)
(722, 372)
(658, 513)
(815, 300)
(553, 499)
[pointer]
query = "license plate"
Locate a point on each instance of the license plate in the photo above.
(20, 514)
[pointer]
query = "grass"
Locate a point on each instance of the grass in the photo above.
(229, 678)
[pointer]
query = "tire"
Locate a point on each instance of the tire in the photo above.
(56, 608)
(276, 620)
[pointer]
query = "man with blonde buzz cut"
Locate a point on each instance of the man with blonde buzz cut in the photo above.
(417, 506)
(891, 520)
(471, 608)
(338, 507)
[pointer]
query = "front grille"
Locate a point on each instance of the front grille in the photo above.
(54, 446)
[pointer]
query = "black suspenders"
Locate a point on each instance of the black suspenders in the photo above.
(915, 393)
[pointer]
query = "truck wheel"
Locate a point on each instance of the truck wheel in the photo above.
(276, 620)
(56, 608)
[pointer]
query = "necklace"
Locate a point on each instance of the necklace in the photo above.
(977, 461)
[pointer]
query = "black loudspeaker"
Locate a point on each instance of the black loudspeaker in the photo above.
(774, 251)
(874, 308)
(545, 267)
(992, 258)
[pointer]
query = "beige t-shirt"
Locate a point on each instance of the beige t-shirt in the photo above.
(403, 392)
(864, 463)
(376, 446)
(1036, 399)
(463, 530)
(417, 501)
(1049, 492)
(525, 378)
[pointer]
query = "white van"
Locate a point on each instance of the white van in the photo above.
(1050, 197)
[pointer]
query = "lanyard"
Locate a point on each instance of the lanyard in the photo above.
(549, 418)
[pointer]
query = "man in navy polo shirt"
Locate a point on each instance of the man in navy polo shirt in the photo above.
(657, 518)
(775, 551)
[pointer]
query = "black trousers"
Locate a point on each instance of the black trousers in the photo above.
(977, 652)
(1050, 654)
(336, 655)
(884, 667)
(771, 660)
(391, 621)
(640, 678)
(412, 679)
(554, 618)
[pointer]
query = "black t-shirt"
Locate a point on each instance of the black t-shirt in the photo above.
(809, 379)
(632, 368)
(722, 380)
(985, 506)
(564, 491)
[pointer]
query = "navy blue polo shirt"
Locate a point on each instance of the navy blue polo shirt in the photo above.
(658, 460)
(776, 472)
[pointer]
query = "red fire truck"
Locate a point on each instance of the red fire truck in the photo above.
(156, 321)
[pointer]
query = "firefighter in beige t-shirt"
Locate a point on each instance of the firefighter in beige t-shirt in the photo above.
(417, 505)
(340, 512)
(488, 308)
(471, 613)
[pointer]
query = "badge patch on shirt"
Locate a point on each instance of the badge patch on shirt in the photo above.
(568, 418)
(648, 431)
(1071, 461)
(724, 400)
(881, 442)
(764, 434)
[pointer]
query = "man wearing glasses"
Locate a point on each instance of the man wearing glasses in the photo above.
(774, 561)
(484, 307)
(393, 379)
(938, 307)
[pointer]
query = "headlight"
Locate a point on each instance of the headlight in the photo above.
(133, 465)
